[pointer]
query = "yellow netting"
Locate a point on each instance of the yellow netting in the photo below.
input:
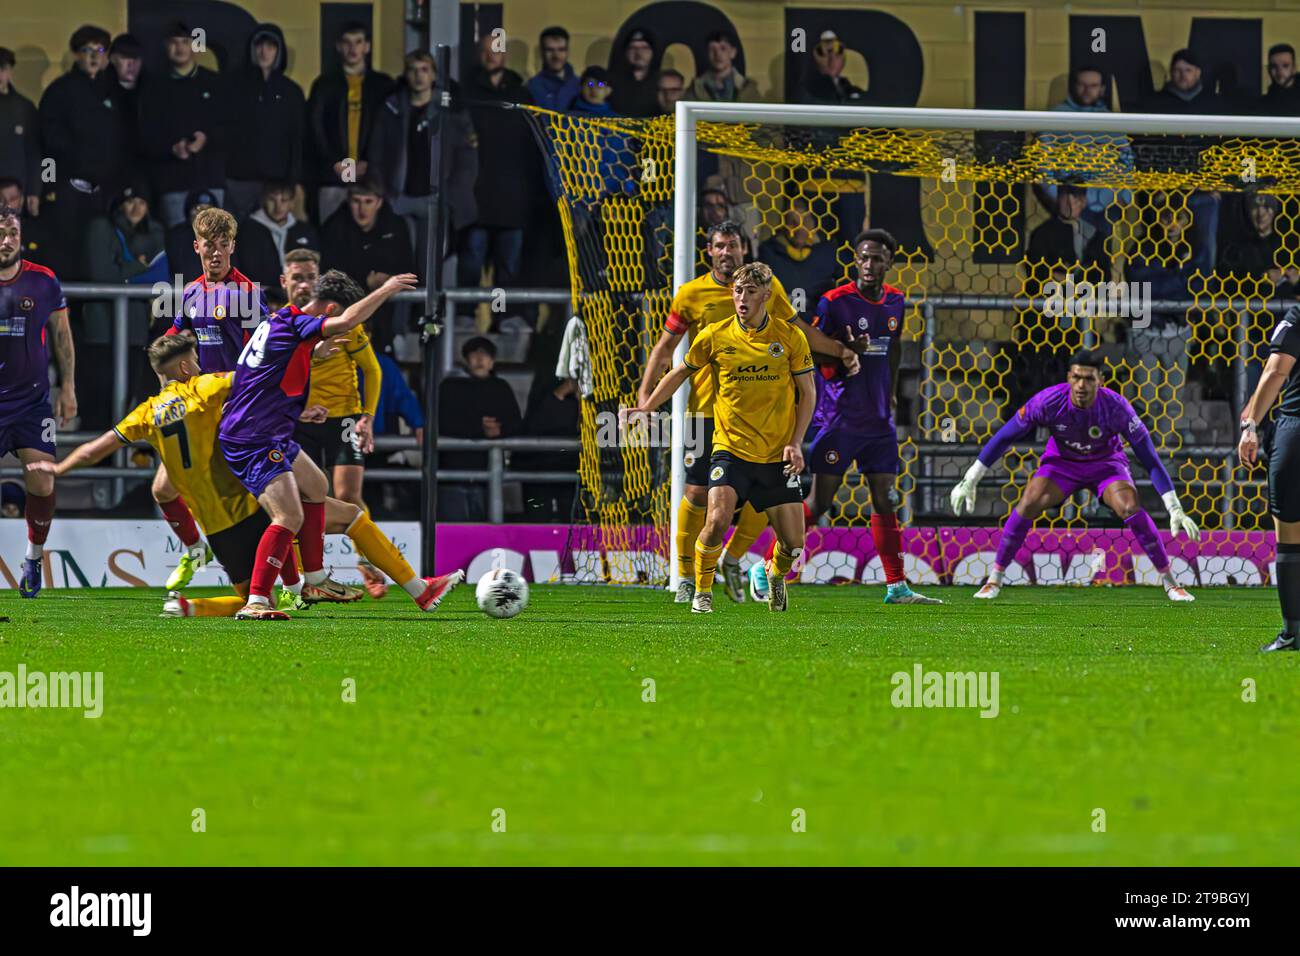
(1151, 200)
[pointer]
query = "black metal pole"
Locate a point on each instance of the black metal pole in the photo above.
(433, 310)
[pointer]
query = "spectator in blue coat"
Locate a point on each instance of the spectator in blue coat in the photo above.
(556, 86)
(396, 400)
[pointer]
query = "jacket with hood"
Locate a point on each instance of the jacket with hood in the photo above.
(553, 92)
(112, 246)
(172, 108)
(262, 244)
(503, 191)
(459, 155)
(271, 113)
(327, 120)
(85, 130)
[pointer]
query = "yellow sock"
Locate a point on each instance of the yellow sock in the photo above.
(690, 522)
(749, 526)
(379, 551)
(706, 565)
(217, 606)
(783, 559)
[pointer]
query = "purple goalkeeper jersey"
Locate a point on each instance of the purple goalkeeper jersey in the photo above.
(861, 404)
(1083, 434)
(223, 315)
(269, 389)
(26, 303)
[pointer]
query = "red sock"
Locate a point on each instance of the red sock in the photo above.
(807, 523)
(39, 512)
(289, 573)
(889, 545)
(272, 550)
(311, 537)
(182, 522)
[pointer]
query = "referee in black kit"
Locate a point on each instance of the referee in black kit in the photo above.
(1281, 375)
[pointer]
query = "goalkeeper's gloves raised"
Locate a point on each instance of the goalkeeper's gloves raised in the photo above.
(963, 495)
(1178, 520)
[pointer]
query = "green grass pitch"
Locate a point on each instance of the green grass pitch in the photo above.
(1111, 700)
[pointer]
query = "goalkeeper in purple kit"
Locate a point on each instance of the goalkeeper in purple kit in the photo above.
(1088, 424)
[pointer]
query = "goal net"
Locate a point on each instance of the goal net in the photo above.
(1169, 244)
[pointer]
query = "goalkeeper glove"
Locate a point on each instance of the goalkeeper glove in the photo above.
(1178, 520)
(964, 492)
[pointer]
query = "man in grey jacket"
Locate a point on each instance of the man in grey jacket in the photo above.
(403, 153)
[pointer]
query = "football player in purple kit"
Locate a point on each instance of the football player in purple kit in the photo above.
(1088, 424)
(222, 307)
(257, 426)
(854, 419)
(33, 323)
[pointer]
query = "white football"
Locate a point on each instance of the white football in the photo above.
(501, 593)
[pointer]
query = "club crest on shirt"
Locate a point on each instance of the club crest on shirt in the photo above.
(832, 457)
(716, 473)
(219, 312)
(893, 323)
(863, 323)
(688, 459)
(26, 303)
(275, 455)
(776, 350)
(1094, 432)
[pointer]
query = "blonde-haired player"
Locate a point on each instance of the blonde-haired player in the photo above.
(752, 360)
(698, 304)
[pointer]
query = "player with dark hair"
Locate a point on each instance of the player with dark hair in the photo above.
(181, 423)
(697, 305)
(1088, 424)
(33, 323)
(1281, 377)
(266, 399)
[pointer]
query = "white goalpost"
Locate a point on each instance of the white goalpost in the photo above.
(690, 113)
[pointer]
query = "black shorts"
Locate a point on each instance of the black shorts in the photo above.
(699, 449)
(762, 484)
(236, 547)
(324, 442)
(1284, 470)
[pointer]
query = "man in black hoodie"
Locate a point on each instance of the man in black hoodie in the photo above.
(636, 87)
(185, 125)
(403, 151)
(20, 145)
(85, 133)
(271, 232)
(271, 112)
(341, 112)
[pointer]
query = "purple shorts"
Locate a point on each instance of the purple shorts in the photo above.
(1096, 476)
(832, 450)
(31, 428)
(255, 464)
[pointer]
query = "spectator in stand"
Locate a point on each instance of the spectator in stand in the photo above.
(397, 402)
(182, 260)
(478, 406)
(824, 81)
(632, 75)
(122, 247)
(554, 415)
(502, 194)
(1184, 94)
(36, 230)
(271, 232)
(723, 83)
(594, 93)
(716, 207)
(1256, 254)
(183, 127)
(369, 242)
(20, 143)
(555, 87)
(404, 154)
(1067, 240)
(799, 257)
(670, 86)
(1282, 98)
(126, 56)
(271, 113)
(85, 132)
(341, 113)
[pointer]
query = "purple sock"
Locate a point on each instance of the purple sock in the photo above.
(1144, 529)
(1013, 536)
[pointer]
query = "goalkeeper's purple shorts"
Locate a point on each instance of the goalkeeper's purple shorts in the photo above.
(1096, 475)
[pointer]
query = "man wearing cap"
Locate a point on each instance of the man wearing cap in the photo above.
(825, 81)
(479, 405)
(85, 132)
(182, 260)
(635, 91)
(722, 82)
(183, 127)
(126, 57)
